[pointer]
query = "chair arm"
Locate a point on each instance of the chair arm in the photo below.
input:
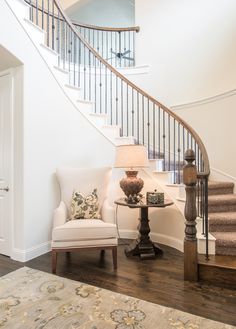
(108, 212)
(60, 215)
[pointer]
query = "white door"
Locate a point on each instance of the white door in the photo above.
(5, 163)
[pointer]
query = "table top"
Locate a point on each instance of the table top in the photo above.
(143, 204)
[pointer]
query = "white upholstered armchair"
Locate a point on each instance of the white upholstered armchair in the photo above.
(80, 234)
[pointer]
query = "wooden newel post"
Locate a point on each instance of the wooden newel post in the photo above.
(190, 241)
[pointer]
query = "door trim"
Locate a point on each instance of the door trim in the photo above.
(9, 72)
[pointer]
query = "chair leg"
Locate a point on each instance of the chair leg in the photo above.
(114, 256)
(54, 261)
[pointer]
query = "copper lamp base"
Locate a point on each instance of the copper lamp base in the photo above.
(131, 186)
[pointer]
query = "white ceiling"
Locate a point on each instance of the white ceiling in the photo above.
(7, 60)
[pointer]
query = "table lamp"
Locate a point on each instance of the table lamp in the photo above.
(131, 157)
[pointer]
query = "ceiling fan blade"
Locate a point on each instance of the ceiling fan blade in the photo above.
(129, 58)
(113, 52)
(126, 53)
(107, 59)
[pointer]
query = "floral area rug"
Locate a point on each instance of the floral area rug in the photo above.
(31, 299)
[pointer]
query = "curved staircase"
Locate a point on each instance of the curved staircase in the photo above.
(125, 114)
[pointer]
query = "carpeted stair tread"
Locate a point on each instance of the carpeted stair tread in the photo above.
(225, 243)
(222, 203)
(215, 188)
(215, 184)
(222, 222)
(224, 217)
(222, 198)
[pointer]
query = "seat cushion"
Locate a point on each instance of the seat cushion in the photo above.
(80, 230)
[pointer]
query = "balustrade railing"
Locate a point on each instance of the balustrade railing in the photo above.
(152, 124)
(116, 45)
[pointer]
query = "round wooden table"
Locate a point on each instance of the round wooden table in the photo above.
(143, 246)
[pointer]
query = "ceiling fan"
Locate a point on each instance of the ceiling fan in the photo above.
(121, 55)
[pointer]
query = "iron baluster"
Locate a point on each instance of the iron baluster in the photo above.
(53, 26)
(164, 139)
(48, 17)
(153, 130)
(148, 125)
(90, 87)
(37, 13)
(169, 142)
(100, 85)
(132, 112)
(127, 108)
(178, 153)
(174, 152)
(116, 100)
(138, 117)
(159, 132)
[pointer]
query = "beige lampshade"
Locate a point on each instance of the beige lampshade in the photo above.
(131, 156)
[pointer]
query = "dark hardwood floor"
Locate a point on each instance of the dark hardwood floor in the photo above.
(159, 281)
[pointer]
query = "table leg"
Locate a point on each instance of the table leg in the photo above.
(143, 246)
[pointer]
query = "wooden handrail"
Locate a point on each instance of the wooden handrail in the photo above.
(89, 26)
(198, 140)
(107, 29)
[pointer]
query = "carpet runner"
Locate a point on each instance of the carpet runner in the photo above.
(222, 216)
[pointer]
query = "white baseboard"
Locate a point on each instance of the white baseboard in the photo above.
(156, 237)
(22, 255)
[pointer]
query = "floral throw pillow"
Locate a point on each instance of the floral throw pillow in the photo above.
(85, 207)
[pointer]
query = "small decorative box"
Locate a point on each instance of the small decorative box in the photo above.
(155, 197)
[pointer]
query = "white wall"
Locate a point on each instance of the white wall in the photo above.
(214, 121)
(110, 13)
(190, 47)
(53, 133)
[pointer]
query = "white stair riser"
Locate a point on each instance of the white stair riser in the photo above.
(111, 132)
(61, 76)
(84, 107)
(35, 33)
(201, 246)
(124, 140)
(98, 121)
(73, 93)
(157, 164)
(50, 57)
(20, 8)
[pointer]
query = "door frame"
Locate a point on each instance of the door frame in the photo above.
(10, 73)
